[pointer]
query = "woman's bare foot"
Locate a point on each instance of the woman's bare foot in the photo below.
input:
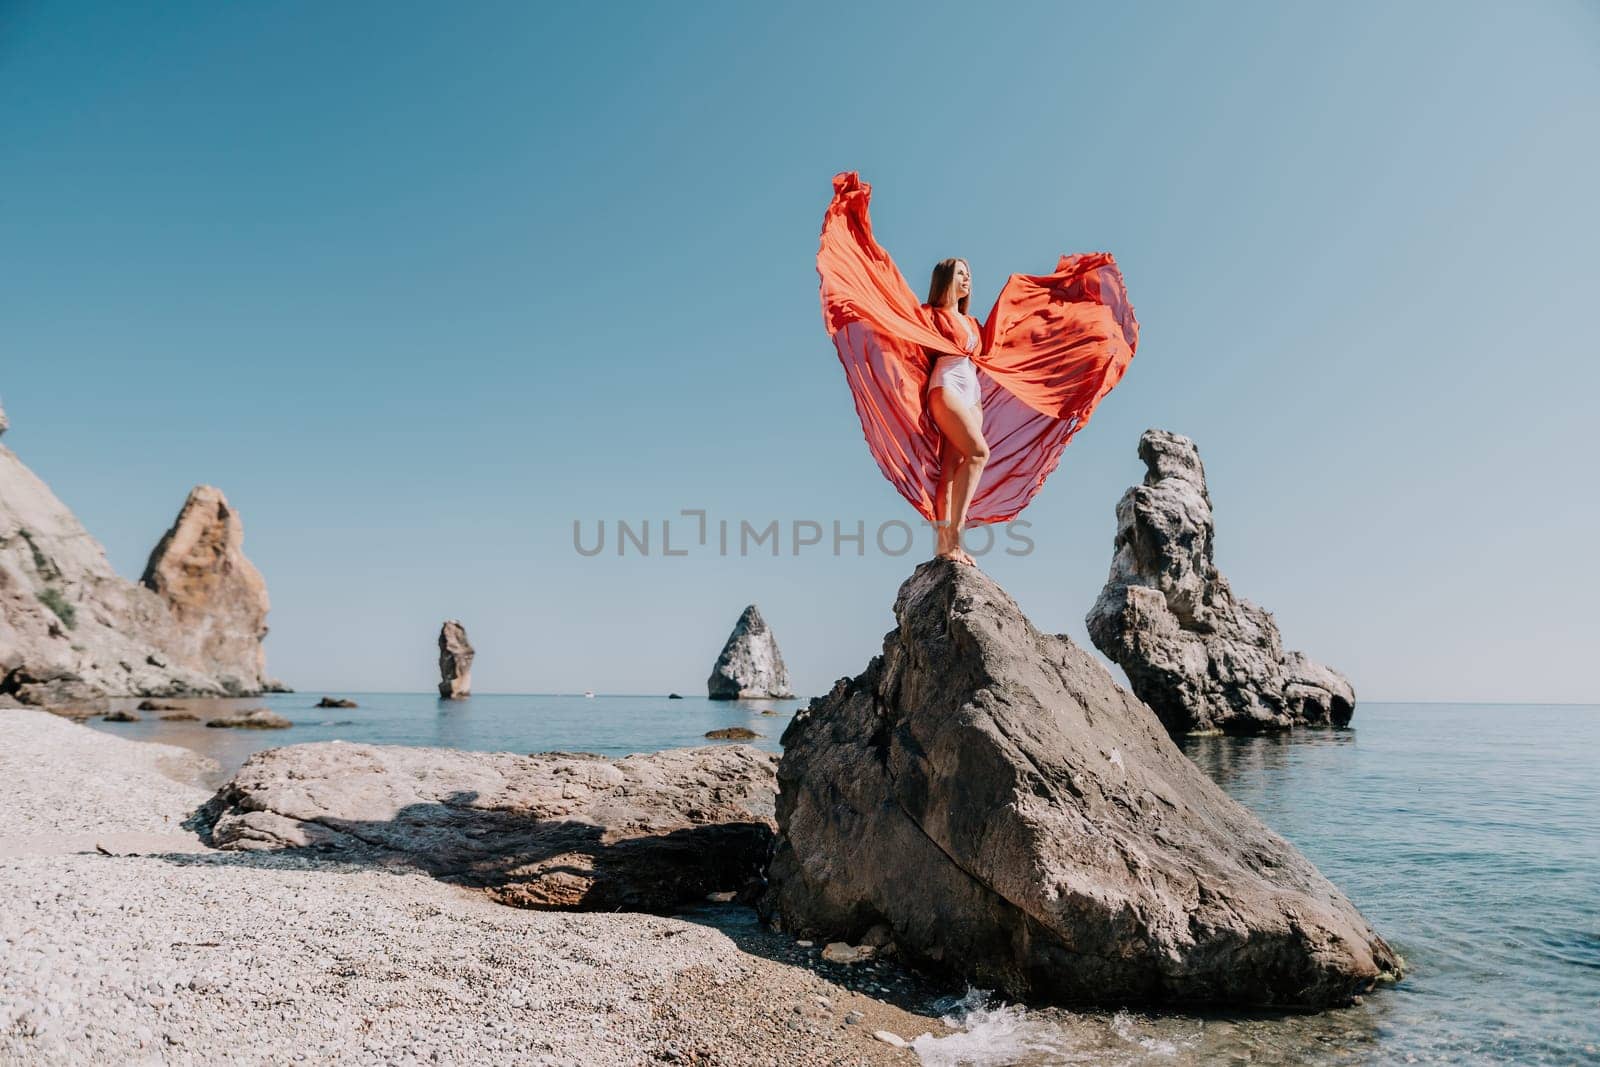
(956, 555)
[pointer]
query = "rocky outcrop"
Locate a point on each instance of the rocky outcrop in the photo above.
(455, 661)
(555, 830)
(989, 800)
(732, 733)
(249, 719)
(216, 595)
(1202, 658)
(71, 629)
(750, 665)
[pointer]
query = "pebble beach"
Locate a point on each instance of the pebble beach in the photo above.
(127, 940)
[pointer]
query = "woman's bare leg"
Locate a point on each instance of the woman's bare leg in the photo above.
(962, 426)
(949, 462)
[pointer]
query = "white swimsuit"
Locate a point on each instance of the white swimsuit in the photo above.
(958, 375)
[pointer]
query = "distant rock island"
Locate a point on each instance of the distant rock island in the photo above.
(455, 661)
(750, 665)
(989, 801)
(72, 629)
(1203, 659)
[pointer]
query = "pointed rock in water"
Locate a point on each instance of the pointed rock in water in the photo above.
(750, 665)
(216, 594)
(1202, 658)
(1013, 816)
(72, 630)
(550, 830)
(455, 661)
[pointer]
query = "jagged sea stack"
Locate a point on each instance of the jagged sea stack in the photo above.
(989, 800)
(71, 629)
(750, 665)
(1202, 658)
(216, 595)
(455, 662)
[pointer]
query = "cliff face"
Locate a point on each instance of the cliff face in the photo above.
(71, 629)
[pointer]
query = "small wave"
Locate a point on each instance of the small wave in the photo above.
(991, 1034)
(1122, 1024)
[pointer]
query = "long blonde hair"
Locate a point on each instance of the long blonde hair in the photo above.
(944, 276)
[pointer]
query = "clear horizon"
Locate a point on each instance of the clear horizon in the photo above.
(418, 288)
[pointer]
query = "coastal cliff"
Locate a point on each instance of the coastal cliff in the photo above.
(72, 629)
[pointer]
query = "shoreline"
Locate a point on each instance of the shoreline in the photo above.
(129, 938)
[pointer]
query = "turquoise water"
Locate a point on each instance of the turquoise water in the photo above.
(1469, 835)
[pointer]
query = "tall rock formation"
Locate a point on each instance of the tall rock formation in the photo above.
(1202, 658)
(987, 799)
(750, 665)
(455, 661)
(215, 594)
(71, 629)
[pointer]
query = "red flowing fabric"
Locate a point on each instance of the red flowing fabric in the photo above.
(1051, 348)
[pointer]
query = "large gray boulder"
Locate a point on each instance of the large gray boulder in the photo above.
(71, 629)
(989, 800)
(750, 665)
(1204, 659)
(551, 830)
(455, 661)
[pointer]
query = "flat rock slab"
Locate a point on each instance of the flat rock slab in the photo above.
(551, 830)
(1010, 814)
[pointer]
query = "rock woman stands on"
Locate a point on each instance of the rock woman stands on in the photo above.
(967, 421)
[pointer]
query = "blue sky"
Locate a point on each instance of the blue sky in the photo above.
(419, 285)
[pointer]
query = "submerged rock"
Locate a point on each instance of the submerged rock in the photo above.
(1008, 813)
(1202, 658)
(455, 661)
(750, 665)
(251, 719)
(331, 702)
(732, 733)
(554, 830)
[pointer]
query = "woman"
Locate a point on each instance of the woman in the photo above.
(968, 450)
(955, 402)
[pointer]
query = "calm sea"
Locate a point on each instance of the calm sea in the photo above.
(1469, 835)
